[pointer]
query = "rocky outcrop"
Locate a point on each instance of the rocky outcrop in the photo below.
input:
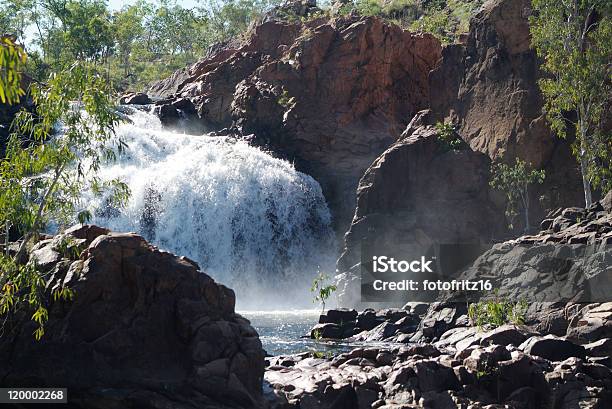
(330, 95)
(420, 198)
(561, 274)
(145, 329)
(570, 260)
(495, 374)
(488, 89)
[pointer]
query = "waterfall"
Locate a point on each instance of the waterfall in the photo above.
(250, 220)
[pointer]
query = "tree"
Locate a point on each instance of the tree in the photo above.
(574, 39)
(42, 180)
(87, 29)
(514, 181)
(128, 28)
(322, 290)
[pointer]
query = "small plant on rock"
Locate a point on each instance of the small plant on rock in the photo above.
(285, 100)
(497, 312)
(322, 290)
(447, 137)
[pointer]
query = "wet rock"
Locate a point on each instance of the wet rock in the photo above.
(168, 114)
(137, 98)
(327, 330)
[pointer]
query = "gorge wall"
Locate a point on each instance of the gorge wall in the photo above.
(488, 88)
(334, 94)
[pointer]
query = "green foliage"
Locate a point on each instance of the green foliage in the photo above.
(12, 61)
(322, 355)
(322, 289)
(574, 39)
(497, 312)
(514, 181)
(317, 335)
(445, 19)
(285, 100)
(448, 138)
(134, 46)
(41, 180)
(439, 23)
(87, 29)
(69, 248)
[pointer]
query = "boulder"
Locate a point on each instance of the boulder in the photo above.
(505, 335)
(145, 328)
(327, 330)
(368, 319)
(552, 348)
(137, 98)
(343, 315)
(168, 114)
(419, 198)
(435, 377)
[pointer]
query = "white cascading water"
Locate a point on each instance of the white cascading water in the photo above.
(251, 221)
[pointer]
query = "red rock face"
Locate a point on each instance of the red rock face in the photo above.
(489, 89)
(330, 95)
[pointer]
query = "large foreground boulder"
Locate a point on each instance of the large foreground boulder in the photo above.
(145, 329)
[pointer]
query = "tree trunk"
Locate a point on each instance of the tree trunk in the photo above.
(524, 195)
(527, 226)
(586, 185)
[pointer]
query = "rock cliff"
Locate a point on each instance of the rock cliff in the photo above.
(328, 94)
(488, 88)
(145, 329)
(418, 198)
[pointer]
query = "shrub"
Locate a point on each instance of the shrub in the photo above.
(447, 137)
(497, 312)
